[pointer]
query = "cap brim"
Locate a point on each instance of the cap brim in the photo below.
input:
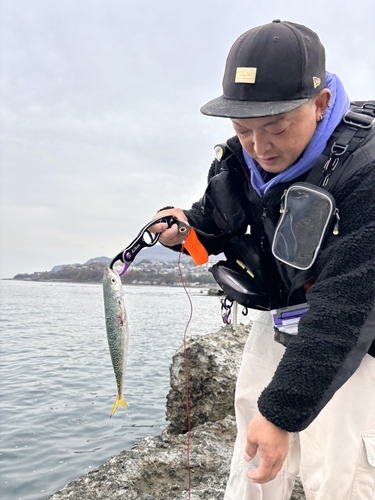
(228, 108)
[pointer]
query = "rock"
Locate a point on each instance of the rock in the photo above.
(298, 493)
(156, 468)
(213, 362)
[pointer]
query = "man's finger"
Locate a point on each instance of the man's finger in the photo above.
(158, 228)
(266, 471)
(250, 451)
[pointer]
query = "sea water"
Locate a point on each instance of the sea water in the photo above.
(57, 383)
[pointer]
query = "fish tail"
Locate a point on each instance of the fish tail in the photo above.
(119, 401)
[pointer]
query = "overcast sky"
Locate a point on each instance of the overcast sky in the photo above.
(100, 121)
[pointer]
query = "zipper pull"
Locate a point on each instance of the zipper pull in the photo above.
(282, 208)
(336, 228)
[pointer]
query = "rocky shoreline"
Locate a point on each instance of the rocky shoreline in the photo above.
(156, 468)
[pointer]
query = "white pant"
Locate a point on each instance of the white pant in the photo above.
(334, 456)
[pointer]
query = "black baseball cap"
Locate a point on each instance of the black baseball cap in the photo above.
(270, 69)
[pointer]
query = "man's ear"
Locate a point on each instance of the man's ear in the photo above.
(321, 103)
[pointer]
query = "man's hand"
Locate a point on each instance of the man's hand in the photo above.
(272, 444)
(169, 236)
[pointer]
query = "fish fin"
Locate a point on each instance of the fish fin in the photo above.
(119, 401)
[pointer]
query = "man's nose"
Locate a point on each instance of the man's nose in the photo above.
(261, 144)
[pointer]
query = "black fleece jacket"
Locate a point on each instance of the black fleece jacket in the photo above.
(338, 330)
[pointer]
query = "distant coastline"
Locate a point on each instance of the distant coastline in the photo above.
(152, 270)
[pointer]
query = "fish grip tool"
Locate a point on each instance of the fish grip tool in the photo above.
(146, 239)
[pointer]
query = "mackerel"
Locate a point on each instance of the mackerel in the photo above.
(117, 329)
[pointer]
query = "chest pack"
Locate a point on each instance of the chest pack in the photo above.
(308, 212)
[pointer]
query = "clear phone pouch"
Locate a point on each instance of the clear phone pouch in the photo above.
(307, 214)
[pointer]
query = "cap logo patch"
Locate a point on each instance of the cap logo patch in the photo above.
(316, 81)
(245, 75)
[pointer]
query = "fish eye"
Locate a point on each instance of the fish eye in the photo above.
(113, 281)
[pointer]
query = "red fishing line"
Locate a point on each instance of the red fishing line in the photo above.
(186, 370)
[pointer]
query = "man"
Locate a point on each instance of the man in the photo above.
(306, 407)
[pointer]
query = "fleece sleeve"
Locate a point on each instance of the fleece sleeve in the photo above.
(338, 330)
